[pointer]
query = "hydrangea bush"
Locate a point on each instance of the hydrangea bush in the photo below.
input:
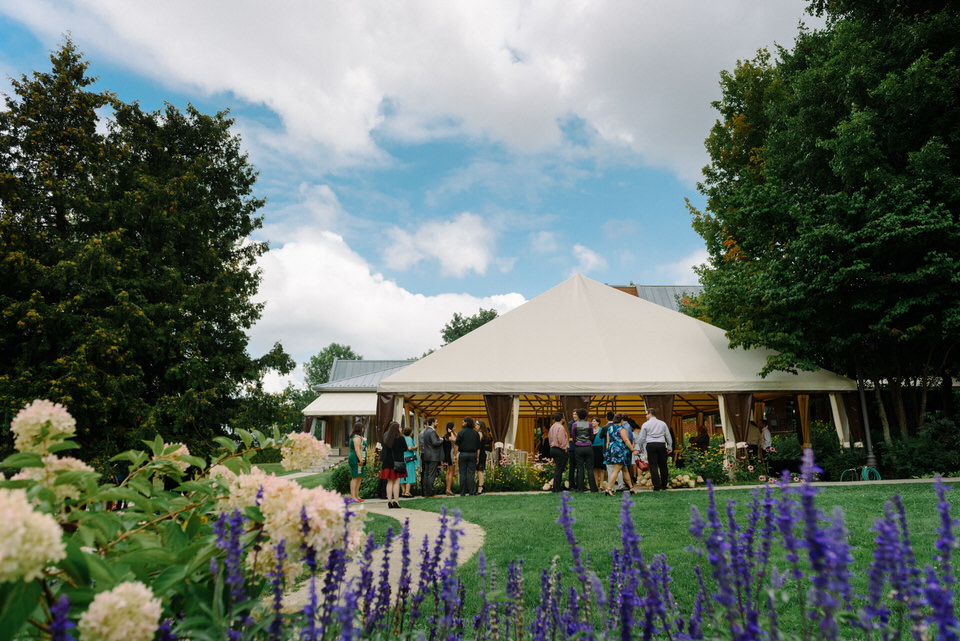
(160, 548)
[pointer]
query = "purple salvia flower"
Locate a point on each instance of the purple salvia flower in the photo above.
(60, 623)
(367, 586)
(228, 529)
(164, 632)
(347, 615)
(566, 521)
(939, 592)
(276, 588)
(378, 615)
(421, 592)
(403, 585)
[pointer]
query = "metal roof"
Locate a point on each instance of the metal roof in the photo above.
(348, 368)
(666, 295)
(365, 379)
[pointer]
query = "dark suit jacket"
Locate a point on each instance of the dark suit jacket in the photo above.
(431, 445)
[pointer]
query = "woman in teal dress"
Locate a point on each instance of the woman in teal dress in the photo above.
(406, 484)
(357, 458)
(619, 454)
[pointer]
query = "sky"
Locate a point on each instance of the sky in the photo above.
(421, 159)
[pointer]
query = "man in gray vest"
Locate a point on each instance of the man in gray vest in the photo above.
(581, 434)
(431, 452)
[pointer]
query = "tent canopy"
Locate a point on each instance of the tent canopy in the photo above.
(585, 338)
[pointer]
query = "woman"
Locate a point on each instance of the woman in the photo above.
(392, 453)
(619, 453)
(448, 439)
(357, 460)
(410, 457)
(599, 469)
(486, 446)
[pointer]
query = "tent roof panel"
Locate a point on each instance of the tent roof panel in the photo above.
(584, 337)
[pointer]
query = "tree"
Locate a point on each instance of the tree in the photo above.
(318, 368)
(127, 266)
(836, 241)
(462, 325)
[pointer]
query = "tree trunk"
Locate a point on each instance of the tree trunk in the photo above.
(946, 392)
(899, 407)
(887, 438)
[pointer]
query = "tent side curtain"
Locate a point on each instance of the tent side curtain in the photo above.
(803, 409)
(384, 413)
(662, 406)
(851, 403)
(573, 403)
(499, 408)
(739, 410)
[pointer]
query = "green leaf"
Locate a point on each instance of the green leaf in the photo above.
(23, 459)
(235, 465)
(75, 563)
(253, 513)
(80, 478)
(63, 446)
(167, 579)
(147, 557)
(246, 437)
(17, 601)
(141, 485)
(195, 461)
(136, 457)
(226, 443)
(202, 557)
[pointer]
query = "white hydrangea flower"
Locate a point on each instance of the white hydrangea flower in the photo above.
(128, 612)
(29, 540)
(47, 475)
(172, 456)
(301, 450)
(35, 426)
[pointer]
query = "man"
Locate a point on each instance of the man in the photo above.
(431, 451)
(559, 446)
(659, 443)
(571, 480)
(467, 445)
(582, 437)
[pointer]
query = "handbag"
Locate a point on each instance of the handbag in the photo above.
(400, 467)
(409, 456)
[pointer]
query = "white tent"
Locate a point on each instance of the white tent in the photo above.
(584, 338)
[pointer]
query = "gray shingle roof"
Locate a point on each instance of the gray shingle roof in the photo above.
(666, 295)
(360, 376)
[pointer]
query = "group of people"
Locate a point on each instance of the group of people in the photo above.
(466, 450)
(594, 452)
(611, 450)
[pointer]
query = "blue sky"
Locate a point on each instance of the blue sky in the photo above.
(426, 158)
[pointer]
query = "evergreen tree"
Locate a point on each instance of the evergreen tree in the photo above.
(127, 268)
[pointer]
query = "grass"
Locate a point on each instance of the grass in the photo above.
(525, 527)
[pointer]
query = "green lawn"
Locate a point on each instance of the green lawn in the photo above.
(524, 526)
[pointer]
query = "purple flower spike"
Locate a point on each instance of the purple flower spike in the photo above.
(60, 623)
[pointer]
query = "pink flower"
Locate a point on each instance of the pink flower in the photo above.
(761, 478)
(750, 467)
(796, 479)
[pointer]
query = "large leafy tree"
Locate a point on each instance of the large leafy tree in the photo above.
(126, 263)
(833, 193)
(317, 369)
(461, 325)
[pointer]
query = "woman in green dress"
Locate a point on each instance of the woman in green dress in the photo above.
(357, 458)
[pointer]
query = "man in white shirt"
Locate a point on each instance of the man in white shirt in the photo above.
(656, 437)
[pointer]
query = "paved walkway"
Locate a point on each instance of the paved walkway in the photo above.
(422, 524)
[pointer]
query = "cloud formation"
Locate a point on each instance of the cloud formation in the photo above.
(461, 245)
(636, 76)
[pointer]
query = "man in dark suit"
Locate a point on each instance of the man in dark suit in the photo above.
(431, 452)
(467, 445)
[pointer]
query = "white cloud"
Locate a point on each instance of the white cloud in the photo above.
(544, 242)
(588, 260)
(640, 76)
(317, 291)
(461, 245)
(681, 272)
